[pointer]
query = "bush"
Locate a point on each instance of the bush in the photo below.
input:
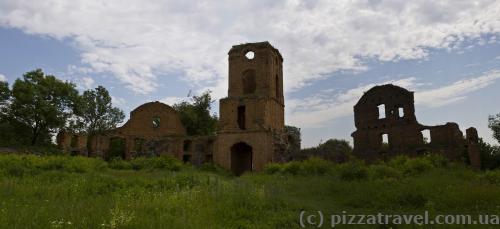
(311, 166)
(18, 165)
(438, 161)
(315, 165)
(292, 168)
(492, 177)
(354, 170)
(417, 166)
(273, 168)
(383, 171)
(149, 163)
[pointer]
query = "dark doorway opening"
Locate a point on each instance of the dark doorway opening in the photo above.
(117, 148)
(186, 158)
(241, 158)
(241, 117)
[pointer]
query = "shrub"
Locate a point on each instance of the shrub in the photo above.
(492, 177)
(311, 166)
(17, 165)
(273, 168)
(149, 163)
(354, 170)
(315, 165)
(292, 168)
(438, 161)
(398, 161)
(382, 171)
(119, 164)
(417, 166)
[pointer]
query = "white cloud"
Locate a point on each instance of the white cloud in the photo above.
(456, 91)
(140, 41)
(118, 101)
(3, 78)
(326, 106)
(173, 100)
(86, 83)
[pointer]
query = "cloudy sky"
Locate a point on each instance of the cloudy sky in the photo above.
(447, 51)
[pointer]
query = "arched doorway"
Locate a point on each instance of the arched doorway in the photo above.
(241, 158)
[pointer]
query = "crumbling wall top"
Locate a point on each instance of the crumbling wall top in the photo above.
(241, 49)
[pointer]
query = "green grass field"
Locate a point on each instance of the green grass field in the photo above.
(76, 192)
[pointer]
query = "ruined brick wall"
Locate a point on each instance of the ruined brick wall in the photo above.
(153, 129)
(473, 147)
(399, 124)
(198, 150)
(154, 119)
(253, 112)
(388, 111)
(73, 143)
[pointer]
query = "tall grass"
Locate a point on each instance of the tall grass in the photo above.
(77, 192)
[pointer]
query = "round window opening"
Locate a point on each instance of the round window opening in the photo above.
(156, 122)
(250, 55)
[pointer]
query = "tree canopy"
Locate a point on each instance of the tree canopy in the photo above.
(4, 92)
(42, 102)
(195, 115)
(95, 114)
(494, 125)
(333, 150)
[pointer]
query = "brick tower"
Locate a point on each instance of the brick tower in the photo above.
(252, 117)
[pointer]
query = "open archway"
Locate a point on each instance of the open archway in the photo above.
(241, 158)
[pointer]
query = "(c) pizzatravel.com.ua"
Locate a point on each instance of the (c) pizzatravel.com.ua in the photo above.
(320, 219)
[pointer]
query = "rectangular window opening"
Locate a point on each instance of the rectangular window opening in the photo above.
(401, 112)
(381, 111)
(426, 135)
(385, 139)
(241, 117)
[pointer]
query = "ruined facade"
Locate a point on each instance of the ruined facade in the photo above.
(250, 131)
(386, 126)
(153, 129)
(251, 125)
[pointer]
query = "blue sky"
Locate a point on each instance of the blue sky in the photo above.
(448, 52)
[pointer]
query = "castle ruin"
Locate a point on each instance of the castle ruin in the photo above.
(386, 126)
(251, 125)
(250, 129)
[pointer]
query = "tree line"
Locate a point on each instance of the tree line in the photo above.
(40, 105)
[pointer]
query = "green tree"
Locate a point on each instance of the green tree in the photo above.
(12, 133)
(4, 93)
(490, 155)
(195, 115)
(333, 150)
(494, 125)
(96, 114)
(42, 102)
(294, 140)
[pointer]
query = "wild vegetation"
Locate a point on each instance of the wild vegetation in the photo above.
(60, 191)
(78, 192)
